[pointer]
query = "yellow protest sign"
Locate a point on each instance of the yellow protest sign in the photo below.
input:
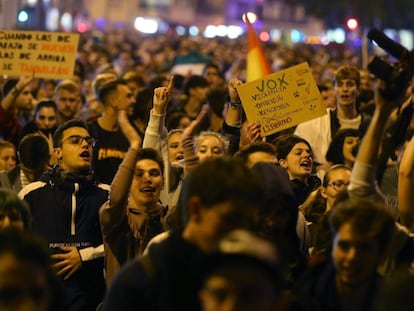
(46, 54)
(283, 99)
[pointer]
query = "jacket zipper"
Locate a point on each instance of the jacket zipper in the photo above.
(72, 222)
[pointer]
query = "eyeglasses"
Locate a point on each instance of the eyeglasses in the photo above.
(338, 185)
(77, 140)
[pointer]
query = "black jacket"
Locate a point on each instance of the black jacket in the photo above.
(169, 279)
(65, 210)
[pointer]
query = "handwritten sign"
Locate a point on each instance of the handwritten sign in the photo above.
(46, 54)
(282, 100)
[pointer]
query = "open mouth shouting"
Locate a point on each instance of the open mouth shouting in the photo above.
(306, 164)
(86, 155)
(149, 190)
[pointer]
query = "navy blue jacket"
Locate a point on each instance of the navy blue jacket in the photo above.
(65, 210)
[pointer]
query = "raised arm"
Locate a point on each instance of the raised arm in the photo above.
(364, 178)
(233, 119)
(10, 128)
(190, 157)
(156, 134)
(113, 212)
(155, 131)
(10, 98)
(406, 186)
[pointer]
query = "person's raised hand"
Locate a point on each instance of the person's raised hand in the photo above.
(24, 81)
(190, 130)
(162, 96)
(385, 104)
(233, 94)
(129, 131)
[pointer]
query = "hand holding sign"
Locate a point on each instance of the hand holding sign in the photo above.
(282, 100)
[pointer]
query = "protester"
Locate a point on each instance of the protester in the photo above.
(27, 281)
(348, 280)
(111, 143)
(132, 215)
(14, 212)
(255, 152)
(320, 131)
(243, 275)
(295, 154)
(7, 155)
(45, 119)
(343, 147)
(16, 108)
(65, 207)
(68, 100)
(34, 158)
(219, 195)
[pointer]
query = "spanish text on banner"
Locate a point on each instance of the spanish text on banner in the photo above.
(48, 55)
(282, 100)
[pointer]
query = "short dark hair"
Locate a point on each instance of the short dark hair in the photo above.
(157, 81)
(143, 104)
(216, 99)
(285, 143)
(45, 104)
(8, 86)
(151, 154)
(174, 118)
(347, 72)
(366, 217)
(335, 153)
(10, 201)
(31, 248)
(108, 88)
(211, 65)
(57, 136)
(34, 151)
(257, 146)
(194, 81)
(223, 179)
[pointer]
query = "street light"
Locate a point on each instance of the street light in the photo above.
(352, 24)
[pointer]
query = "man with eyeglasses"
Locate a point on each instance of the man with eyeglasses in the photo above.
(65, 207)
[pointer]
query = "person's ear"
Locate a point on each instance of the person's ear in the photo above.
(58, 152)
(323, 192)
(283, 163)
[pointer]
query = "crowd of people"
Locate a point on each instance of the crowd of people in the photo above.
(140, 185)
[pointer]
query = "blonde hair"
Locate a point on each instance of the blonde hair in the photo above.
(6, 144)
(100, 80)
(224, 141)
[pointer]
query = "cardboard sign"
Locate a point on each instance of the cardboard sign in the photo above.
(48, 55)
(282, 100)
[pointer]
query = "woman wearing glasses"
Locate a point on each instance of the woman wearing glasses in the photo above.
(319, 203)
